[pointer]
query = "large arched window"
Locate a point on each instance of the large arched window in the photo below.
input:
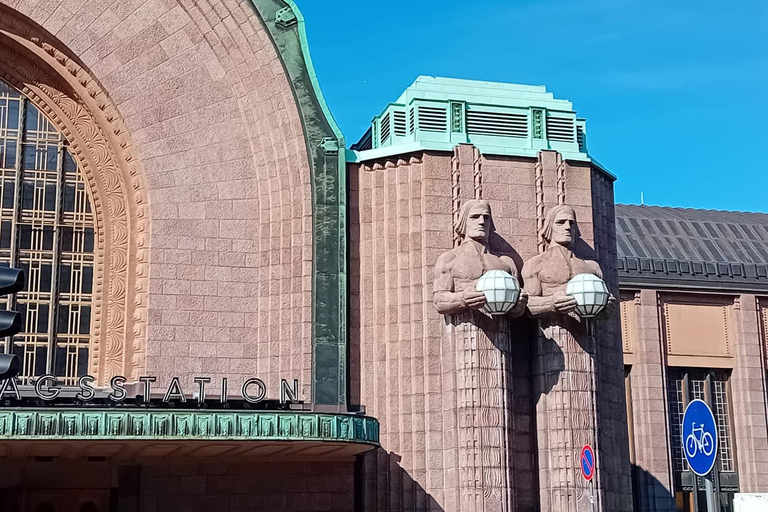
(46, 228)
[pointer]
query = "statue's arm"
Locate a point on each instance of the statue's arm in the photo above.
(594, 267)
(537, 304)
(511, 264)
(611, 303)
(446, 299)
(541, 303)
(519, 308)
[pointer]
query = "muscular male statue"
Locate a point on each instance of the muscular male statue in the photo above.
(457, 271)
(546, 275)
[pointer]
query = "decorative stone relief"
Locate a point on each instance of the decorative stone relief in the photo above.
(477, 173)
(457, 117)
(538, 124)
(764, 316)
(538, 182)
(628, 309)
(455, 193)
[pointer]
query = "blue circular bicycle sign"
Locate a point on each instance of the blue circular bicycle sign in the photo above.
(699, 437)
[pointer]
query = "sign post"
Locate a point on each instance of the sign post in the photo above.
(700, 444)
(587, 460)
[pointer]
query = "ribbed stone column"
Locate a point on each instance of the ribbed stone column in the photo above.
(748, 393)
(483, 411)
(653, 472)
(565, 414)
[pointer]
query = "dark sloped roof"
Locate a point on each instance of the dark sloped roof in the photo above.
(678, 247)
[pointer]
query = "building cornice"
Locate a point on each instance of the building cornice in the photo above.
(128, 424)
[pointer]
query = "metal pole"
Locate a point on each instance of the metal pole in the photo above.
(686, 400)
(708, 480)
(710, 488)
(596, 497)
(695, 492)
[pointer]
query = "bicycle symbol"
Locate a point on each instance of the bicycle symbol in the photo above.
(704, 443)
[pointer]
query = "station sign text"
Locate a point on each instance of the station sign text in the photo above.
(253, 390)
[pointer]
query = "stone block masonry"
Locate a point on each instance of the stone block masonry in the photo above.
(248, 487)
(401, 219)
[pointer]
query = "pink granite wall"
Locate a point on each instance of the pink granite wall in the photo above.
(653, 474)
(395, 370)
(214, 125)
(401, 218)
(248, 487)
(650, 415)
(749, 381)
(613, 442)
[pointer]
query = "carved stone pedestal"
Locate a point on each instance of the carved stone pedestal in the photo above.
(564, 384)
(480, 347)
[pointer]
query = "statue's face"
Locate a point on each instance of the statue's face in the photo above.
(564, 228)
(479, 223)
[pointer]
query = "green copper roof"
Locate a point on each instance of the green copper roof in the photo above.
(504, 119)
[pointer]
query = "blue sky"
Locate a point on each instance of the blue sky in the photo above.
(674, 92)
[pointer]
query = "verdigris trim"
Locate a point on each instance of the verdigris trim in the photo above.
(328, 178)
(114, 424)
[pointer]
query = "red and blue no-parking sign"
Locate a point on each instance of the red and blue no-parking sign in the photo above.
(587, 462)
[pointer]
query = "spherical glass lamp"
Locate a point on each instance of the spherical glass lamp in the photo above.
(590, 292)
(501, 291)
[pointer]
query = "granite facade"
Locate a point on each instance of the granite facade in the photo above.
(401, 220)
(188, 485)
(735, 348)
(212, 126)
(248, 487)
(651, 465)
(748, 392)
(194, 110)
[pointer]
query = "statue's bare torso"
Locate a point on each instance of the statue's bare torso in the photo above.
(466, 264)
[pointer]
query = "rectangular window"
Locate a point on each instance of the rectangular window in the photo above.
(719, 403)
(712, 387)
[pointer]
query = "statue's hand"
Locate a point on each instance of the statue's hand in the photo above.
(472, 299)
(563, 303)
(519, 308)
(609, 307)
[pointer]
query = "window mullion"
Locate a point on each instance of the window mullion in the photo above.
(17, 205)
(52, 232)
(53, 311)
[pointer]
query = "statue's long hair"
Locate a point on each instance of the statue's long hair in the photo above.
(461, 225)
(549, 221)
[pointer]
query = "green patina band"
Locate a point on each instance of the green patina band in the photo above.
(326, 151)
(137, 425)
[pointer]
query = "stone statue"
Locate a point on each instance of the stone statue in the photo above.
(457, 271)
(546, 275)
(475, 359)
(564, 366)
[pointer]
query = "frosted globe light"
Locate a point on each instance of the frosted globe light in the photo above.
(590, 292)
(501, 291)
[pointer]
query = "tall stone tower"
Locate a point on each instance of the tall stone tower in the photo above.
(442, 143)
